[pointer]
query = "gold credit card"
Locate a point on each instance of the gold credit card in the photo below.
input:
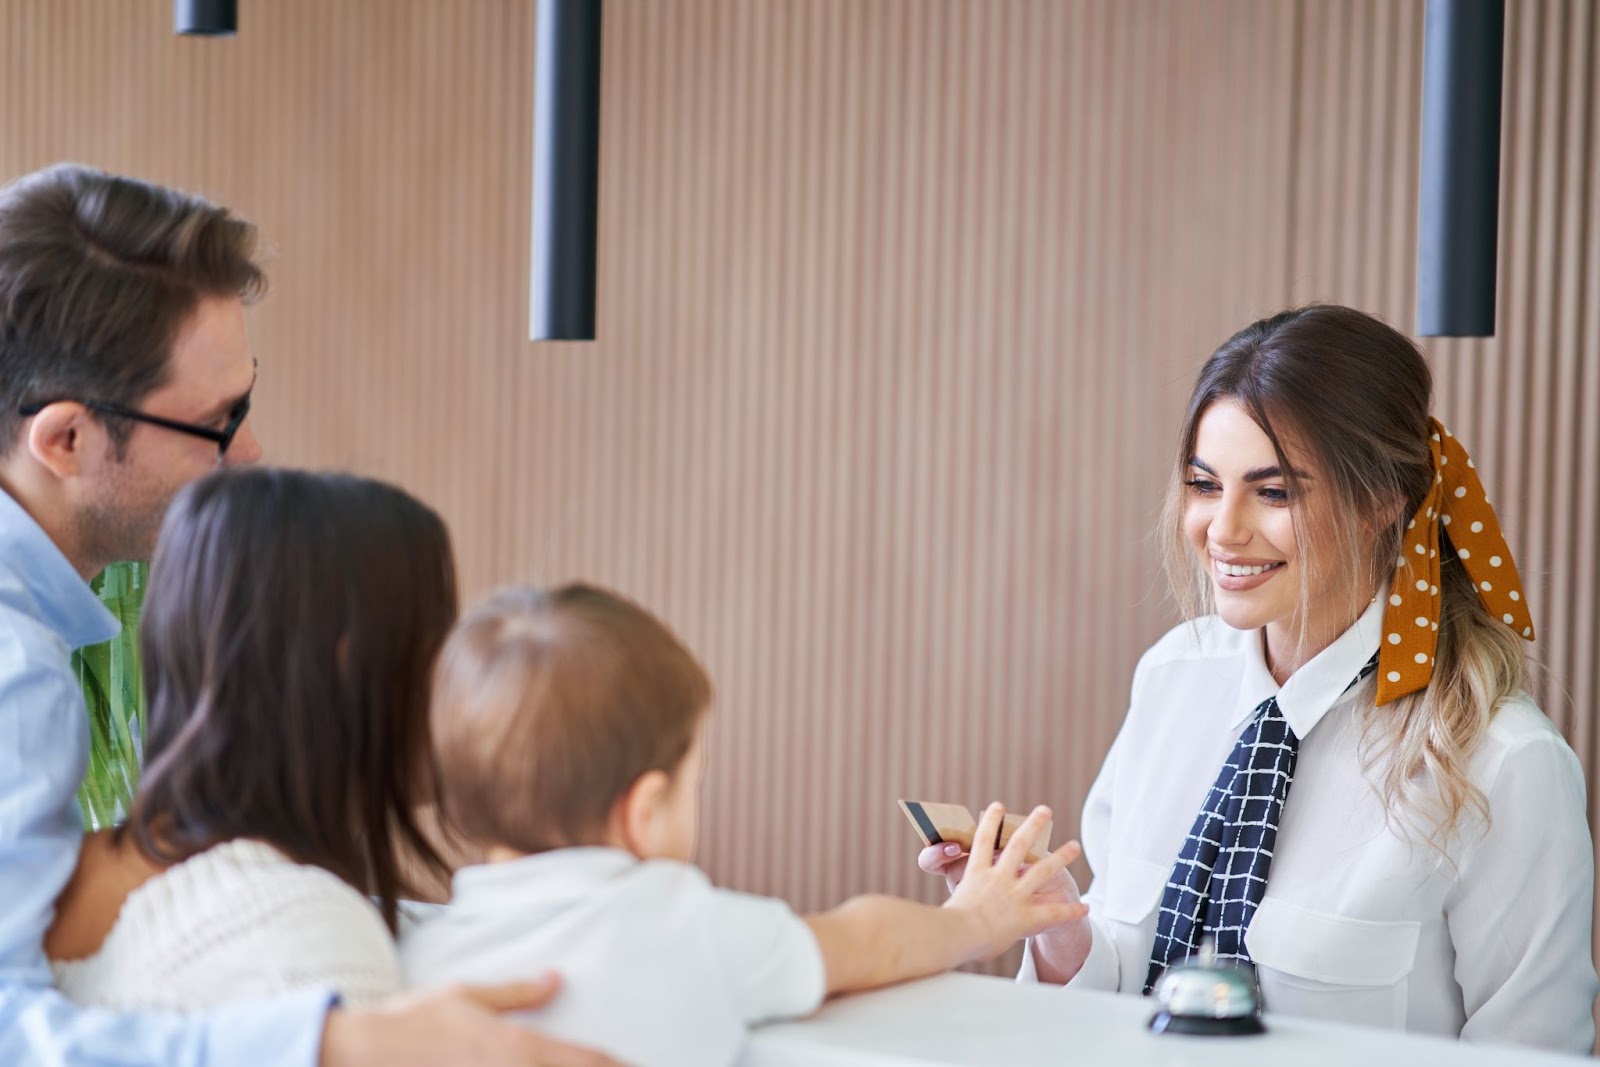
(938, 824)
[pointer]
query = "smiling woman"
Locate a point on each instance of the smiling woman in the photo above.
(1356, 634)
(1238, 519)
(1322, 416)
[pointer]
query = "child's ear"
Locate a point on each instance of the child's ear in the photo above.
(636, 819)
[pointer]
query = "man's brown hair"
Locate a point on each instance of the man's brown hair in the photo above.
(97, 275)
(549, 705)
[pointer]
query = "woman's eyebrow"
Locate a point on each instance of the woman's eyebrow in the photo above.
(1259, 474)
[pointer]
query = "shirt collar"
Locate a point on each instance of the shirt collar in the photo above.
(62, 600)
(1310, 691)
(559, 874)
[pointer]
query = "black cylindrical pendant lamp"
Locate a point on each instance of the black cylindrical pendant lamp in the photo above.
(205, 18)
(566, 170)
(1458, 215)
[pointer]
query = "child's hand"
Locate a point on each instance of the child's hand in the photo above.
(1008, 898)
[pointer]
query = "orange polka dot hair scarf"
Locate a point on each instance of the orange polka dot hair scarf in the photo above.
(1411, 620)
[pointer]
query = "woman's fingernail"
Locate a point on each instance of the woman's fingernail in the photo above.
(952, 850)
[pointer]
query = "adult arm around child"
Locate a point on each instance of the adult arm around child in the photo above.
(457, 1024)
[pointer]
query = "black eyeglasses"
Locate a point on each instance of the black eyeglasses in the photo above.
(223, 437)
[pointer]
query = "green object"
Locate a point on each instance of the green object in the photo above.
(113, 690)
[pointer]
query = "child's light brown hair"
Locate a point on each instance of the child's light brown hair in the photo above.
(549, 705)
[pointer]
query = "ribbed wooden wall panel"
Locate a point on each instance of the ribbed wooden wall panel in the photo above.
(899, 301)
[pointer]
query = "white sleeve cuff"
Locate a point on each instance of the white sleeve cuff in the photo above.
(1029, 972)
(1100, 969)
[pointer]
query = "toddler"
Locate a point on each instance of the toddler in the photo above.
(567, 726)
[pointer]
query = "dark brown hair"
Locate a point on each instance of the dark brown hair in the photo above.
(548, 706)
(1351, 395)
(1349, 391)
(97, 275)
(288, 638)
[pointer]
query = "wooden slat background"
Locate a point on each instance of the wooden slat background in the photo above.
(899, 301)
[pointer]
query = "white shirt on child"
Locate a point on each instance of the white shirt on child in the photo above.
(237, 921)
(659, 968)
(1489, 942)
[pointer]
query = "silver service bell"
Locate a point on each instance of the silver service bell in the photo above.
(1205, 996)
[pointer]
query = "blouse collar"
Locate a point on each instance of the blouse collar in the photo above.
(1317, 686)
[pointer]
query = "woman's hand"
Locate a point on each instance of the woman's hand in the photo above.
(1011, 897)
(1058, 952)
(948, 859)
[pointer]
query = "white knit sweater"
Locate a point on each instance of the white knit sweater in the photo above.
(239, 920)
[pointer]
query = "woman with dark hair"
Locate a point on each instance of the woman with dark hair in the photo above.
(1356, 631)
(288, 639)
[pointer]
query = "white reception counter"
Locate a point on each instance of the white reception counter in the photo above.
(977, 1021)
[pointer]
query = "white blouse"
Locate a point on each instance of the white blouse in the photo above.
(1490, 942)
(240, 920)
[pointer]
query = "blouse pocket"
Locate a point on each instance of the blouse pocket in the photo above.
(1133, 888)
(1326, 966)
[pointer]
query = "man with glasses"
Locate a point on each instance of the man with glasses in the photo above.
(223, 435)
(125, 373)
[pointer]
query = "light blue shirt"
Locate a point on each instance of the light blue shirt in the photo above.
(47, 610)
